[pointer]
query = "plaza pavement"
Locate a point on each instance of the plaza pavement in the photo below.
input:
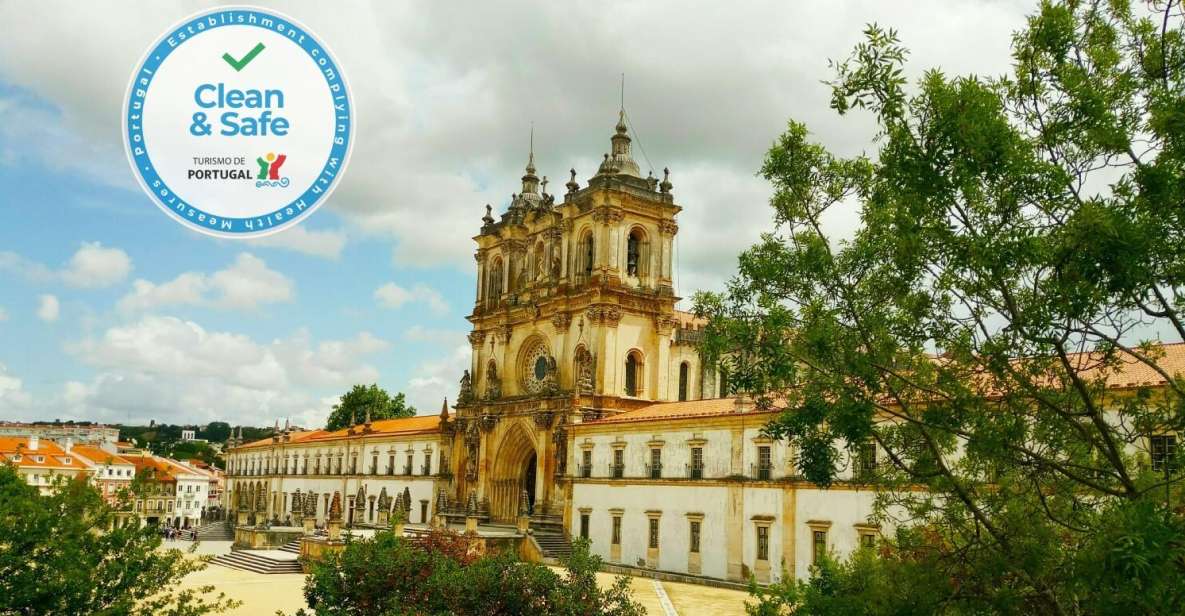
(264, 594)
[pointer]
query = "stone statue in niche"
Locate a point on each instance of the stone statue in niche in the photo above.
(466, 394)
(493, 384)
(586, 363)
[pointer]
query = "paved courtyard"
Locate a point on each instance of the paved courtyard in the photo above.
(264, 594)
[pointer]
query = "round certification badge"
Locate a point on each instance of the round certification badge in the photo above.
(238, 122)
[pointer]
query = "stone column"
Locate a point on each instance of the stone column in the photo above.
(481, 276)
(667, 230)
(663, 326)
(565, 250)
(562, 322)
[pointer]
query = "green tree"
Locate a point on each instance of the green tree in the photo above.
(391, 575)
(216, 432)
(65, 554)
(354, 404)
(1020, 240)
(186, 450)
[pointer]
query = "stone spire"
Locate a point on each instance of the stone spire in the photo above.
(620, 160)
(444, 409)
(335, 507)
(530, 196)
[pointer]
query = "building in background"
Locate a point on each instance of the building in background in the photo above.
(42, 462)
(172, 493)
(110, 473)
(96, 434)
(216, 484)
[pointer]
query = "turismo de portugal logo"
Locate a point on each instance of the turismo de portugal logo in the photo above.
(238, 122)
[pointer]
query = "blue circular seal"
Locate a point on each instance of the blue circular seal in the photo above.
(318, 180)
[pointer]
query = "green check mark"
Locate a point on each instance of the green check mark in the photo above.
(239, 64)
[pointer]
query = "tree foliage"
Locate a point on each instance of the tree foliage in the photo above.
(353, 405)
(1021, 241)
(390, 575)
(59, 555)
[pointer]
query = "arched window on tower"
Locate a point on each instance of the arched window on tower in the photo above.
(633, 374)
(636, 253)
(587, 255)
(632, 246)
(684, 369)
(494, 283)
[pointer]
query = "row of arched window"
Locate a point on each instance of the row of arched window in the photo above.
(634, 376)
(636, 263)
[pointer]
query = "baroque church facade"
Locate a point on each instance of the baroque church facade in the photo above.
(586, 406)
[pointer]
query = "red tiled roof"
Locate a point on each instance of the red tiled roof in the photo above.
(419, 424)
(51, 454)
(707, 407)
(99, 456)
(160, 469)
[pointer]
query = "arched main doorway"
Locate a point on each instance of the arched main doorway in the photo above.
(513, 470)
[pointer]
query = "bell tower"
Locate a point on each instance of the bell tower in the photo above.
(573, 318)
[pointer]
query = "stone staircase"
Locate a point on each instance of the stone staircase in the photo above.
(554, 545)
(258, 561)
(215, 531)
(292, 547)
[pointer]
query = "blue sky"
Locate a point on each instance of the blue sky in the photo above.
(111, 311)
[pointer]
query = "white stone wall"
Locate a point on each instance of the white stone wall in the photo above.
(676, 452)
(844, 505)
(844, 508)
(292, 458)
(675, 502)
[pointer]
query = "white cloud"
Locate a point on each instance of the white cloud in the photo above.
(445, 337)
(391, 295)
(48, 308)
(91, 266)
(246, 285)
(431, 159)
(13, 397)
(435, 380)
(96, 266)
(249, 283)
(326, 244)
(170, 369)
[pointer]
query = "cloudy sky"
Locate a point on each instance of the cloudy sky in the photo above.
(111, 311)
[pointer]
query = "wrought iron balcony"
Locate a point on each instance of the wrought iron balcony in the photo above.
(761, 471)
(695, 471)
(426, 469)
(584, 470)
(654, 471)
(617, 471)
(688, 336)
